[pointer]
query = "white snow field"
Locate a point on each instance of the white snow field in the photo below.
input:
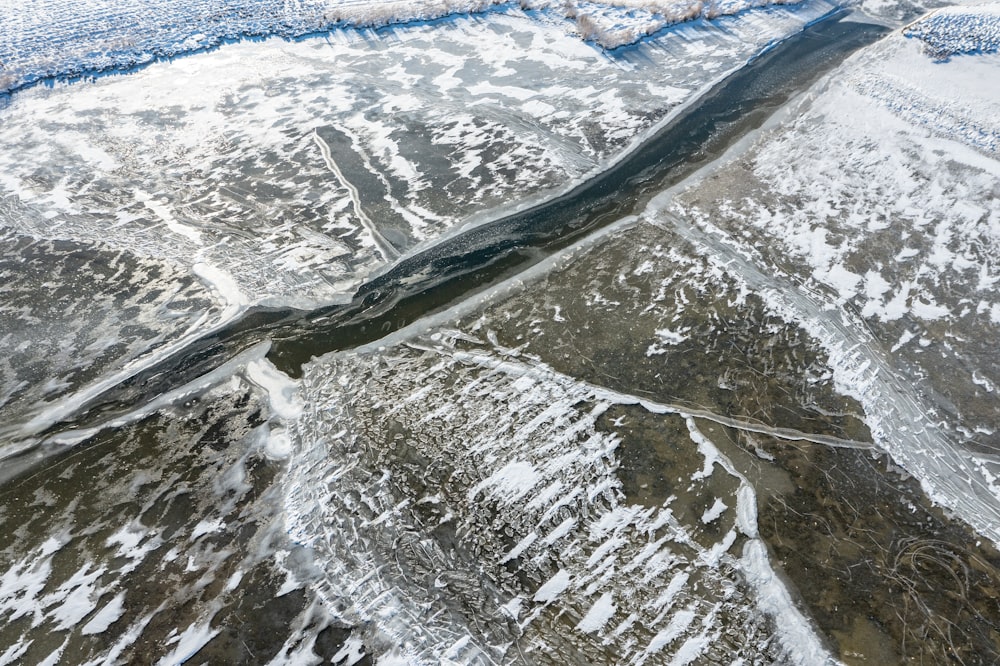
(957, 30)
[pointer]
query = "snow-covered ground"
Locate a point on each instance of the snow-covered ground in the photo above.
(157, 541)
(226, 159)
(956, 30)
(285, 173)
(837, 272)
(90, 317)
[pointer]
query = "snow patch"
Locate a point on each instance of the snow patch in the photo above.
(599, 614)
(553, 587)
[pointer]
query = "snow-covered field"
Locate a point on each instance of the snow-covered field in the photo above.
(832, 286)
(83, 321)
(150, 538)
(957, 30)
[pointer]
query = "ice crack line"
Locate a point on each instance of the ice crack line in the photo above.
(616, 397)
(385, 248)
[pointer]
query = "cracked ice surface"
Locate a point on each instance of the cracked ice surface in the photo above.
(73, 314)
(490, 524)
(261, 181)
(268, 188)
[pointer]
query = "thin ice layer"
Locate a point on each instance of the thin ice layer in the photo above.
(73, 314)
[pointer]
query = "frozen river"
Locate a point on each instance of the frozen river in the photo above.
(464, 342)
